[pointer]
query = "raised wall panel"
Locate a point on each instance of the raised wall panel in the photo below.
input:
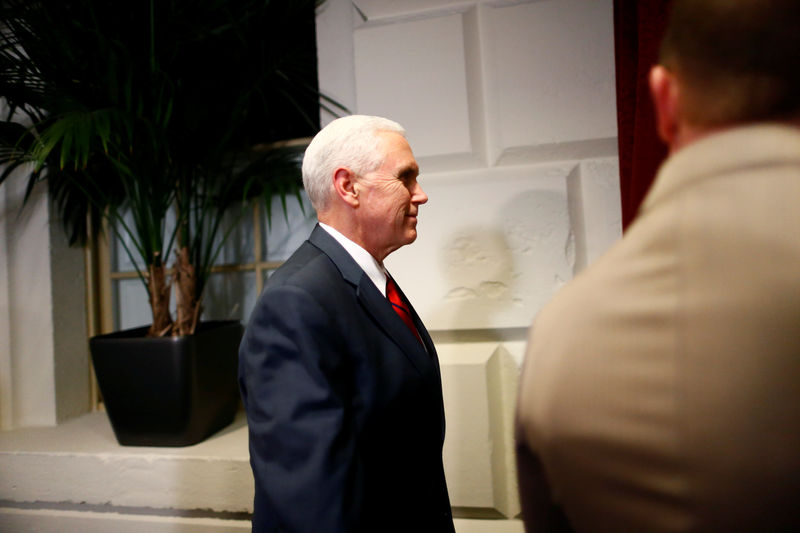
(503, 377)
(493, 247)
(414, 73)
(550, 68)
(381, 9)
(602, 210)
(335, 20)
(479, 387)
(468, 442)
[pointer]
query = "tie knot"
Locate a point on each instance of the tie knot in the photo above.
(393, 294)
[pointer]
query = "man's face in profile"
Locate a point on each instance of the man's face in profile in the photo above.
(391, 196)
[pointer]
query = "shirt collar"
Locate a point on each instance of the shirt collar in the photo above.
(368, 264)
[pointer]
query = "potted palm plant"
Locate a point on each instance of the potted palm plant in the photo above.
(156, 121)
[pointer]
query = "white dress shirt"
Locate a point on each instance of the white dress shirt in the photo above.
(368, 264)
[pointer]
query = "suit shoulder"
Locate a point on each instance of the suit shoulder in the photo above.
(309, 270)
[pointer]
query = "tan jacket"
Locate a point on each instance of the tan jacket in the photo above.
(661, 388)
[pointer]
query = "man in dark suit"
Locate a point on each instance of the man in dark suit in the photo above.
(343, 393)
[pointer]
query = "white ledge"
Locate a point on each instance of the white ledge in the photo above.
(75, 477)
(80, 462)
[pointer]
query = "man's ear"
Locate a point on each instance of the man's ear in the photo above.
(344, 182)
(665, 94)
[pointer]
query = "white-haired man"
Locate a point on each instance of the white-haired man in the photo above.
(339, 377)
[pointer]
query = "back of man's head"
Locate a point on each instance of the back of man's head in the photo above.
(737, 60)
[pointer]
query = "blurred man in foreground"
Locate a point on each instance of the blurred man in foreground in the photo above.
(661, 388)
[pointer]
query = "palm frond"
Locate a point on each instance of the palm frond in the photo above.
(132, 111)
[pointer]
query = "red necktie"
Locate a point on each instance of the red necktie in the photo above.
(400, 307)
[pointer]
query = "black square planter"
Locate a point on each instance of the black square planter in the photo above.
(168, 391)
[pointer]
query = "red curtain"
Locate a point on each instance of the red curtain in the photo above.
(638, 27)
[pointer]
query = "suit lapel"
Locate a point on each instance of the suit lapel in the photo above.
(375, 303)
(430, 354)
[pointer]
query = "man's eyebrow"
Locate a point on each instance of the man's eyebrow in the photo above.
(408, 170)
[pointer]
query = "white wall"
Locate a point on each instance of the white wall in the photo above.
(510, 110)
(44, 366)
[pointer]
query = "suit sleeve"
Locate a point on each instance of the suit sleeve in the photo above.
(301, 438)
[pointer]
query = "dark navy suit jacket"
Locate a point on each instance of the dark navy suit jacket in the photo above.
(344, 405)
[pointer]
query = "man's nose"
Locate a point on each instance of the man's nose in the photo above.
(418, 196)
